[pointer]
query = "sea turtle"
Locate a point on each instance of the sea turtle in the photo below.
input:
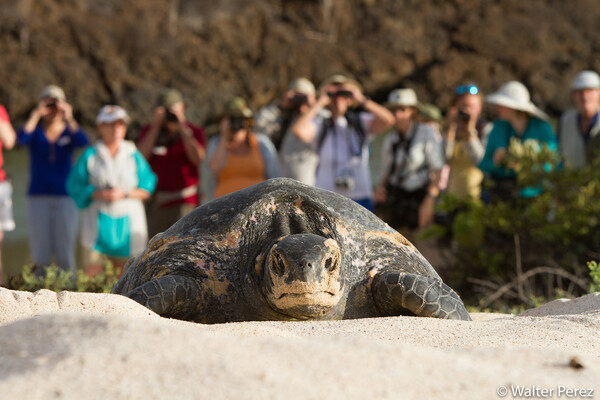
(282, 250)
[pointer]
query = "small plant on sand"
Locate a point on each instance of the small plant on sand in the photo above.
(594, 268)
(57, 279)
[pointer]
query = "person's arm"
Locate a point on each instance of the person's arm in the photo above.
(269, 154)
(194, 151)
(380, 192)
(383, 119)
(303, 127)
(7, 133)
(67, 111)
(217, 151)
(77, 185)
(146, 179)
(148, 138)
(35, 116)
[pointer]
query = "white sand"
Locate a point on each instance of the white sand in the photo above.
(74, 346)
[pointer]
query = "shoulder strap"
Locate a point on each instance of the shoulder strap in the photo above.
(354, 121)
(327, 123)
(406, 144)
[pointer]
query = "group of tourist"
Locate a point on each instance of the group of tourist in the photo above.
(128, 192)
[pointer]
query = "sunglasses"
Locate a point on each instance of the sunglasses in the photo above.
(462, 89)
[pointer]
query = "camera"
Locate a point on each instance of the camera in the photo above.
(51, 104)
(237, 123)
(170, 116)
(344, 182)
(298, 101)
(463, 116)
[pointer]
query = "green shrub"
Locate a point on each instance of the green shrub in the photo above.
(555, 233)
(57, 279)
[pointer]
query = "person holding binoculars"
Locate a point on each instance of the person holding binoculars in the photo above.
(340, 136)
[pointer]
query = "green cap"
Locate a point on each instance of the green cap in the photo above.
(237, 107)
(169, 97)
(430, 111)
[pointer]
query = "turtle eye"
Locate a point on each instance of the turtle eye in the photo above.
(278, 264)
(330, 264)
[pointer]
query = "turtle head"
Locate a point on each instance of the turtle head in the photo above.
(301, 275)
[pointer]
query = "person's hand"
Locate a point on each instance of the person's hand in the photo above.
(287, 100)
(179, 112)
(66, 109)
(324, 100)
(426, 211)
(357, 94)
(380, 194)
(43, 109)
(158, 116)
(112, 194)
(225, 129)
(499, 156)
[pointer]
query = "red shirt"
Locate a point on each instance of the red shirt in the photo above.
(173, 169)
(3, 118)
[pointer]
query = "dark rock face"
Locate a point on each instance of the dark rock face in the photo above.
(125, 51)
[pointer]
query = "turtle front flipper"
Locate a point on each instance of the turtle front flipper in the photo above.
(169, 296)
(401, 293)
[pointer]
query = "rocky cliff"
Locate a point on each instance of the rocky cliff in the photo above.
(124, 52)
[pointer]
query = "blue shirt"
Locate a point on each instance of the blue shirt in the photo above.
(50, 163)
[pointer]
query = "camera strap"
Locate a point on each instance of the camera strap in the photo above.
(404, 143)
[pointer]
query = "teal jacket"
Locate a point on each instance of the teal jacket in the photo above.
(500, 137)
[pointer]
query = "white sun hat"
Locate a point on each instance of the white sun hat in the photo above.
(515, 95)
(586, 80)
(110, 113)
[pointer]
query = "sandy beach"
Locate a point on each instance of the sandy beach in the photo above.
(102, 346)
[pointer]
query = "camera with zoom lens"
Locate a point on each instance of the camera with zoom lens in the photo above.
(344, 182)
(463, 116)
(170, 116)
(237, 123)
(299, 100)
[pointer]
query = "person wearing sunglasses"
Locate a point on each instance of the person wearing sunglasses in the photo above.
(466, 138)
(340, 135)
(411, 159)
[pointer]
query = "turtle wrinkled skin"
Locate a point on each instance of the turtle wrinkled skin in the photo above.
(282, 250)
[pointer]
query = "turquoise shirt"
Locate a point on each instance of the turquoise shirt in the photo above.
(500, 137)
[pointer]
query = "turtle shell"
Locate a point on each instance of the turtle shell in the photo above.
(222, 244)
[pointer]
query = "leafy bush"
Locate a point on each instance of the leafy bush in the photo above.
(594, 268)
(57, 279)
(521, 250)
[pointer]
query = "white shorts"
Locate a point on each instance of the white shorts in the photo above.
(7, 222)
